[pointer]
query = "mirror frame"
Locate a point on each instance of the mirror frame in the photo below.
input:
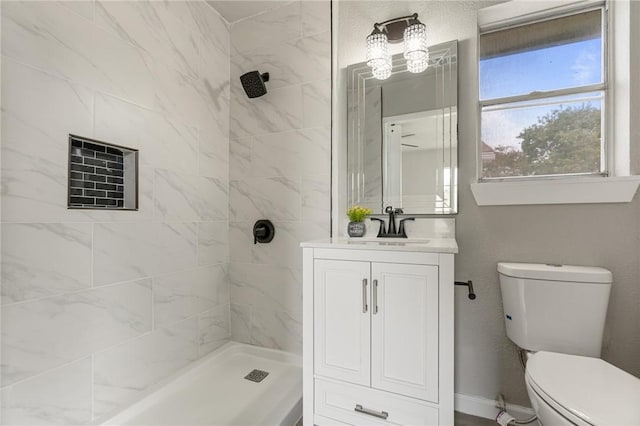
(357, 75)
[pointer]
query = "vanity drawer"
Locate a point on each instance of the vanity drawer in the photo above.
(359, 405)
(319, 420)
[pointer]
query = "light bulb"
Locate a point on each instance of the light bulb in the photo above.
(415, 42)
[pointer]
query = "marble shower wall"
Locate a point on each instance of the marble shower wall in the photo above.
(100, 305)
(280, 166)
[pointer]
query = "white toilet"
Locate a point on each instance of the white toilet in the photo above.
(558, 313)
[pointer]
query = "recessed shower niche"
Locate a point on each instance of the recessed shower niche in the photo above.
(102, 175)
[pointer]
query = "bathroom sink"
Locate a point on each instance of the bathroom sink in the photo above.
(388, 241)
(432, 245)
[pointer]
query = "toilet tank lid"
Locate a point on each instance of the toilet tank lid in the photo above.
(539, 271)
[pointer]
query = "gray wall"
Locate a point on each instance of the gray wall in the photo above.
(98, 306)
(604, 235)
(280, 156)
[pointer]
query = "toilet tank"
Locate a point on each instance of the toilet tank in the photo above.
(556, 308)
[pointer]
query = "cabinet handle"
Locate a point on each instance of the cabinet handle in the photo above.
(381, 414)
(374, 301)
(365, 308)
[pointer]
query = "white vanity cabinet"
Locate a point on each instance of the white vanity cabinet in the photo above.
(378, 333)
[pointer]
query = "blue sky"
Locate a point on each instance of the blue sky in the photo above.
(556, 67)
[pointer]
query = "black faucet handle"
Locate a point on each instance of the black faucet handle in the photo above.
(398, 211)
(392, 220)
(401, 231)
(381, 231)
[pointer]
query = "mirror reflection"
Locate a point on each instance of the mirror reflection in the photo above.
(402, 142)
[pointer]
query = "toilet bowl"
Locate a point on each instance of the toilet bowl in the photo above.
(578, 390)
(558, 312)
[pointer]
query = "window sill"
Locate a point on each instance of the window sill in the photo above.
(565, 191)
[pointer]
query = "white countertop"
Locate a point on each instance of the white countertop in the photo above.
(431, 245)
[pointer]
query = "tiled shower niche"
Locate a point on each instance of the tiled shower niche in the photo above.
(102, 175)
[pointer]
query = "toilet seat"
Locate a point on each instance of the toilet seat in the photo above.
(585, 390)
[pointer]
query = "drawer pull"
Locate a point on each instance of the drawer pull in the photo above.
(364, 296)
(381, 414)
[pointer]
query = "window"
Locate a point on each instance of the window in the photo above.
(568, 181)
(543, 94)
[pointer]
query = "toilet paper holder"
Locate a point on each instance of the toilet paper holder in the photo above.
(469, 285)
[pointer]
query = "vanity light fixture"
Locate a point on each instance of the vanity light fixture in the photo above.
(406, 28)
(417, 65)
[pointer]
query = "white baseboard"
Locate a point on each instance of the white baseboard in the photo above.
(486, 408)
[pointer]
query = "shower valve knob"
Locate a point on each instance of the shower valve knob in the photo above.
(263, 231)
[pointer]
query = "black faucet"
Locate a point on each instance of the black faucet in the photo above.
(401, 231)
(391, 231)
(392, 219)
(381, 231)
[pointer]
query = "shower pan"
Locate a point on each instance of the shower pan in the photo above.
(215, 390)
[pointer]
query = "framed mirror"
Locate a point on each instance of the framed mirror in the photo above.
(402, 144)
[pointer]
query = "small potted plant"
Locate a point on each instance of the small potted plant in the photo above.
(357, 215)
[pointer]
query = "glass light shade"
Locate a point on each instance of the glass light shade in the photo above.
(377, 50)
(382, 72)
(418, 65)
(415, 42)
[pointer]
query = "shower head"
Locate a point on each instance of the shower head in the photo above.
(253, 83)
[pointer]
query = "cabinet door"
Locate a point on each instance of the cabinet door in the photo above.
(404, 329)
(342, 320)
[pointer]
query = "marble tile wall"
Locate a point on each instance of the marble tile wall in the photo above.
(99, 305)
(279, 166)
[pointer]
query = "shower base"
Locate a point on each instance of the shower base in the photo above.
(215, 392)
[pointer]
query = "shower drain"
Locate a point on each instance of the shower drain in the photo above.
(256, 375)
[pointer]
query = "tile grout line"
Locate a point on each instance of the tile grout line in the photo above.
(42, 373)
(93, 387)
(153, 305)
(103, 350)
(101, 286)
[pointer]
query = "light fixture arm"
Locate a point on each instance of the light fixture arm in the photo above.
(394, 28)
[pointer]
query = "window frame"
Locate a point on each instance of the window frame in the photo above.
(606, 146)
(621, 185)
